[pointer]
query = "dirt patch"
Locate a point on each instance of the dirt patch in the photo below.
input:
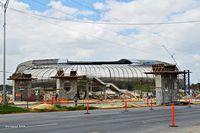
(42, 106)
(198, 96)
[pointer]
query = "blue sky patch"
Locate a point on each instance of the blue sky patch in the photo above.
(41, 5)
(127, 32)
(37, 5)
(82, 5)
(124, 1)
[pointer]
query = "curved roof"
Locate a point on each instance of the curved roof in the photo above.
(124, 68)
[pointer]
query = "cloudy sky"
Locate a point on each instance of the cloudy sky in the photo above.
(103, 30)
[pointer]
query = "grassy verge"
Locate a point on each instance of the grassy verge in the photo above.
(64, 108)
(73, 108)
(5, 109)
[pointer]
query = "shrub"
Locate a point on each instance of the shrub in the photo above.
(73, 108)
(4, 109)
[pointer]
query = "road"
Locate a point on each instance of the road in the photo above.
(139, 120)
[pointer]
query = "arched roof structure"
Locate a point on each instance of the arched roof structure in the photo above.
(124, 68)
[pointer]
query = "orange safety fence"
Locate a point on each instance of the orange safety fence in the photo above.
(98, 103)
(56, 101)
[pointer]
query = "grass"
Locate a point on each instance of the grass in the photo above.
(44, 110)
(64, 108)
(6, 109)
(73, 108)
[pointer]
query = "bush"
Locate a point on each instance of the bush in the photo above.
(58, 106)
(4, 109)
(46, 110)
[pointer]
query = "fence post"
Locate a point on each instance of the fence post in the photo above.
(151, 104)
(87, 107)
(189, 104)
(125, 105)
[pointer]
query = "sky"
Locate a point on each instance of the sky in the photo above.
(102, 30)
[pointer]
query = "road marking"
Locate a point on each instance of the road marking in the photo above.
(43, 125)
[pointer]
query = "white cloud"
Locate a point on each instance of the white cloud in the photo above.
(99, 6)
(86, 12)
(29, 37)
(197, 58)
(59, 7)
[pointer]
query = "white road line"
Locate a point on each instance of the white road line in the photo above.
(43, 125)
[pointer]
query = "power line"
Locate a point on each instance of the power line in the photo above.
(55, 24)
(43, 4)
(6, 71)
(83, 4)
(44, 16)
(47, 17)
(58, 10)
(114, 23)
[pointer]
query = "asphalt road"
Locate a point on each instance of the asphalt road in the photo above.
(140, 120)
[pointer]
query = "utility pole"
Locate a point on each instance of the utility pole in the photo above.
(5, 6)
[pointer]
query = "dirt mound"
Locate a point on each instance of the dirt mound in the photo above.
(198, 96)
(42, 106)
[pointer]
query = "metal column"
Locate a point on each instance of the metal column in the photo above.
(184, 80)
(188, 82)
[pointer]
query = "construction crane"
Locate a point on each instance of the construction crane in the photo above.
(184, 76)
(172, 56)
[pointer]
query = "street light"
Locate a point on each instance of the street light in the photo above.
(5, 6)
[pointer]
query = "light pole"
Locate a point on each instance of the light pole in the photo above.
(4, 54)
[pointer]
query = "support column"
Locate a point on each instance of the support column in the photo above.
(87, 90)
(159, 92)
(29, 89)
(166, 82)
(73, 90)
(90, 87)
(60, 88)
(175, 98)
(24, 89)
(13, 90)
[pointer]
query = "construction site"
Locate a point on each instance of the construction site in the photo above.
(62, 81)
